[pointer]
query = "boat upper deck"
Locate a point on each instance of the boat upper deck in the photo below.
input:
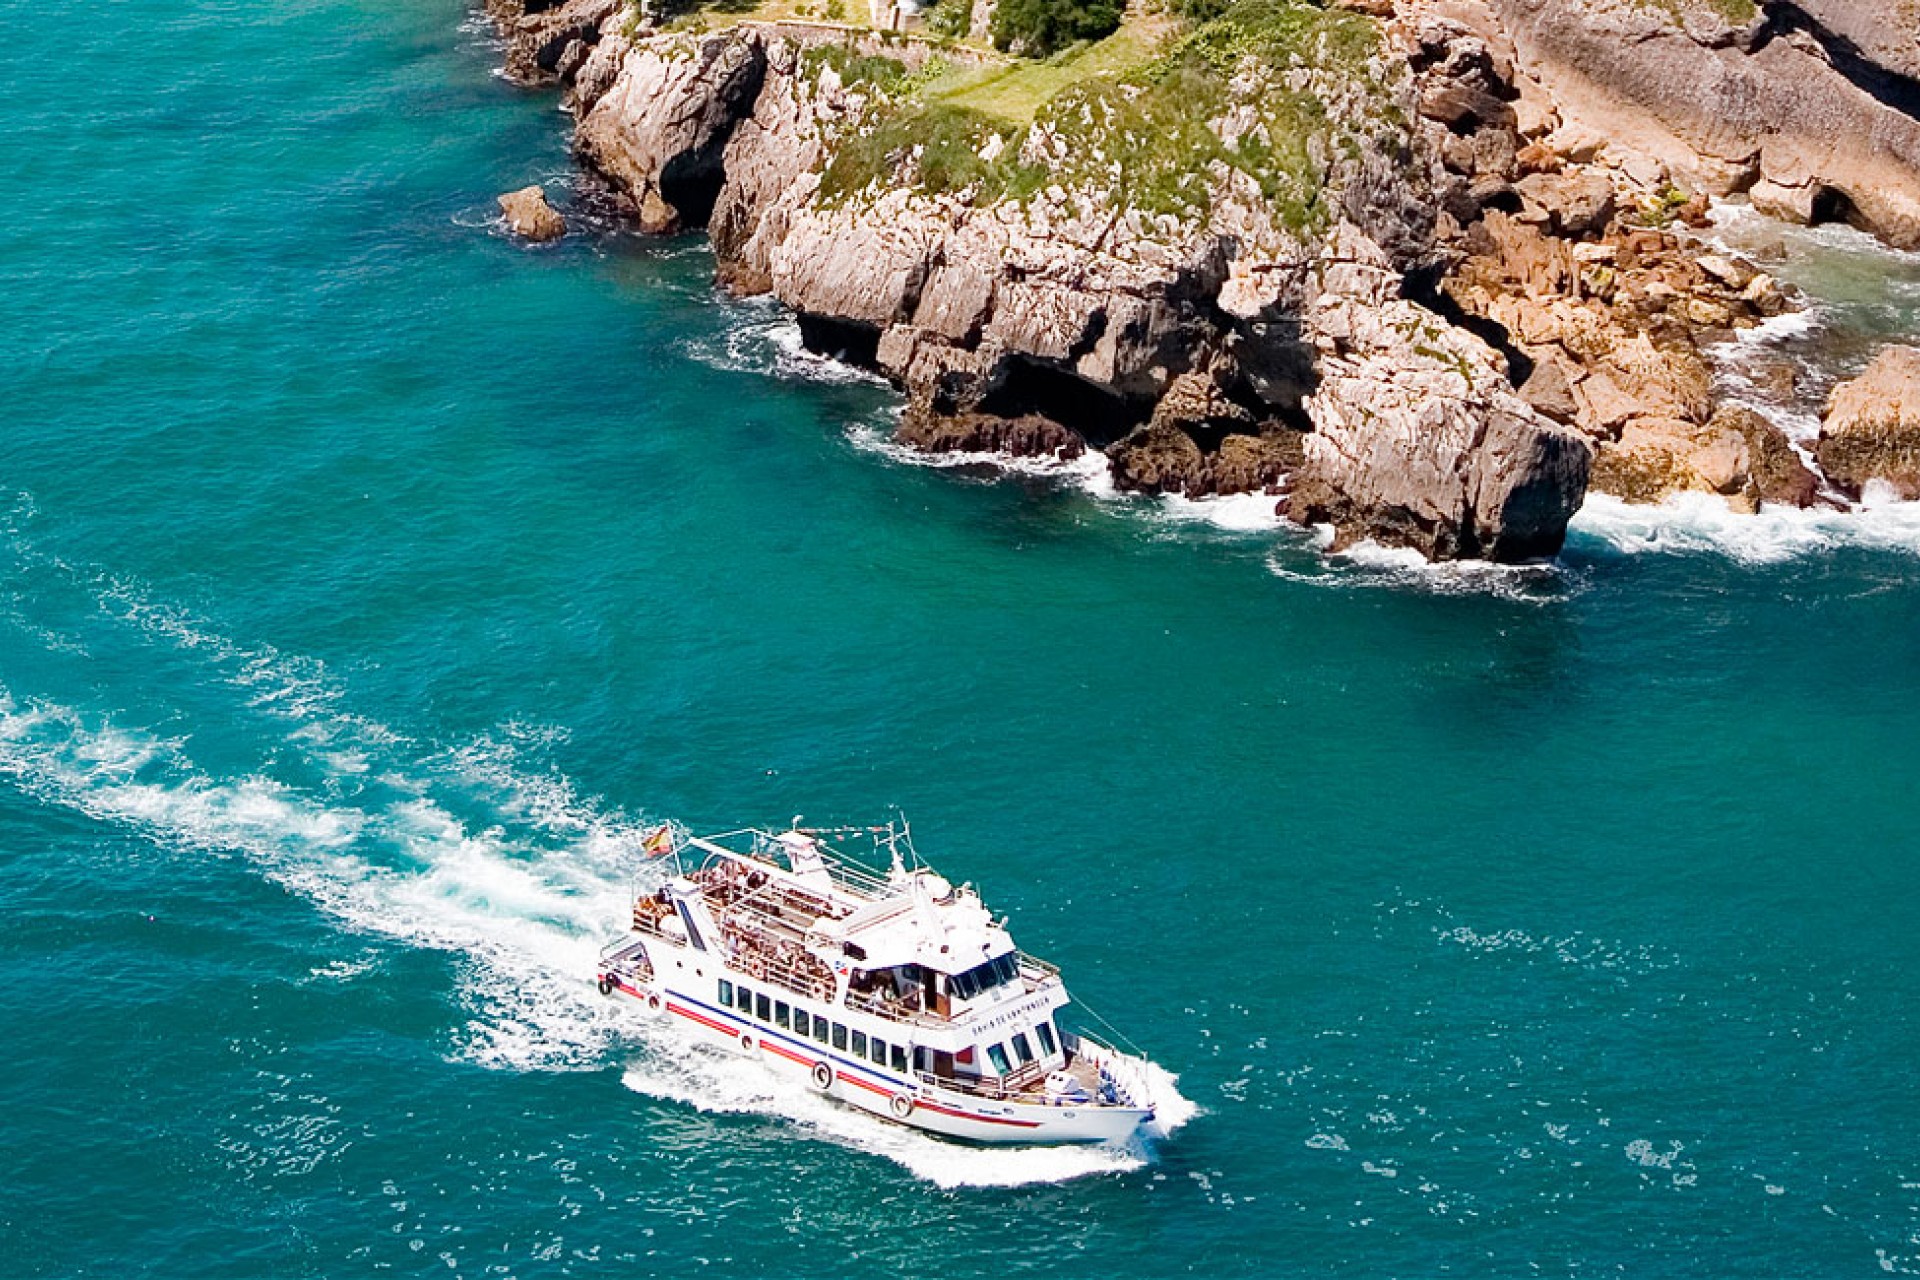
(790, 911)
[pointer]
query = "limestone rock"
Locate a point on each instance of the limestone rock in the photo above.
(550, 43)
(659, 131)
(1181, 343)
(1872, 427)
(1803, 119)
(529, 215)
(1571, 204)
(1419, 440)
(1657, 457)
(1030, 436)
(1775, 468)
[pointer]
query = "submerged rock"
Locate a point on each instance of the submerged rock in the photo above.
(530, 217)
(1872, 428)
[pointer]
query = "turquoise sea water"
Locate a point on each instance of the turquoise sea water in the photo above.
(367, 581)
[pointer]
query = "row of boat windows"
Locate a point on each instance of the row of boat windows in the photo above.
(985, 977)
(758, 1004)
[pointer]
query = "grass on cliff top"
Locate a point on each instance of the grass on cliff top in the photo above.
(1134, 118)
(1017, 91)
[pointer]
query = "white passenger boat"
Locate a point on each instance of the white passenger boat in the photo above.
(889, 990)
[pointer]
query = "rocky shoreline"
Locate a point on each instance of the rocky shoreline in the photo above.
(1374, 260)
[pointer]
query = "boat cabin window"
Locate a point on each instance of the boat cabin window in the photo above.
(780, 1012)
(839, 1036)
(997, 1055)
(819, 1028)
(1022, 1050)
(802, 1021)
(879, 1054)
(859, 1044)
(985, 977)
(726, 994)
(1045, 1032)
(745, 1001)
(899, 1057)
(763, 1007)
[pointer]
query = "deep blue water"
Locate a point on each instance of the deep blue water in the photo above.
(369, 581)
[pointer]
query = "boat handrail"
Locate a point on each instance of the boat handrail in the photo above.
(1008, 1088)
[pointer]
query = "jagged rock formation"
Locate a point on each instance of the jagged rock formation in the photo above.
(1420, 275)
(529, 215)
(1021, 306)
(1418, 432)
(1872, 427)
(1783, 100)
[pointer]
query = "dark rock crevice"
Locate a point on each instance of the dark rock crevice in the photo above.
(1886, 86)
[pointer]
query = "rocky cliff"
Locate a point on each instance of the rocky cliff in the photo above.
(1809, 106)
(1387, 270)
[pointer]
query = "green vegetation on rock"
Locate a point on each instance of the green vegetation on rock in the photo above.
(1043, 27)
(1736, 13)
(1248, 91)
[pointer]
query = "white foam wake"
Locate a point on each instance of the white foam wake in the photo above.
(522, 890)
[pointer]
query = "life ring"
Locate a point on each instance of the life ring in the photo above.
(901, 1106)
(607, 984)
(822, 1076)
(746, 1043)
(653, 1002)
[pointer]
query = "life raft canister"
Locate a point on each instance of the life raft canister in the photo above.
(901, 1106)
(822, 1076)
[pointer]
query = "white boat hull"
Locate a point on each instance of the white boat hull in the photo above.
(914, 1103)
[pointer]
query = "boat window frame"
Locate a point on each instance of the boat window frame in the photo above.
(1022, 1047)
(859, 1043)
(726, 993)
(997, 1056)
(743, 1000)
(820, 1029)
(840, 1036)
(1044, 1029)
(763, 1006)
(781, 1012)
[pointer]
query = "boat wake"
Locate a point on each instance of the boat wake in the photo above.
(472, 850)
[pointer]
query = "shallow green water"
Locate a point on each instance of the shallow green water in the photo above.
(369, 581)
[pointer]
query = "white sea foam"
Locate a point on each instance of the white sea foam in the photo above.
(1698, 523)
(764, 338)
(1236, 513)
(1369, 565)
(719, 1082)
(523, 897)
(1090, 472)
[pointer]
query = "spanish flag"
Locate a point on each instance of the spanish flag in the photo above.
(658, 841)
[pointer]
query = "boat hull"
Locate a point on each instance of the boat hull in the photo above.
(888, 1095)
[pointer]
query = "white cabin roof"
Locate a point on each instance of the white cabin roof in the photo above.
(909, 917)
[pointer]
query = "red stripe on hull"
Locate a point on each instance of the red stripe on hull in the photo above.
(783, 1051)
